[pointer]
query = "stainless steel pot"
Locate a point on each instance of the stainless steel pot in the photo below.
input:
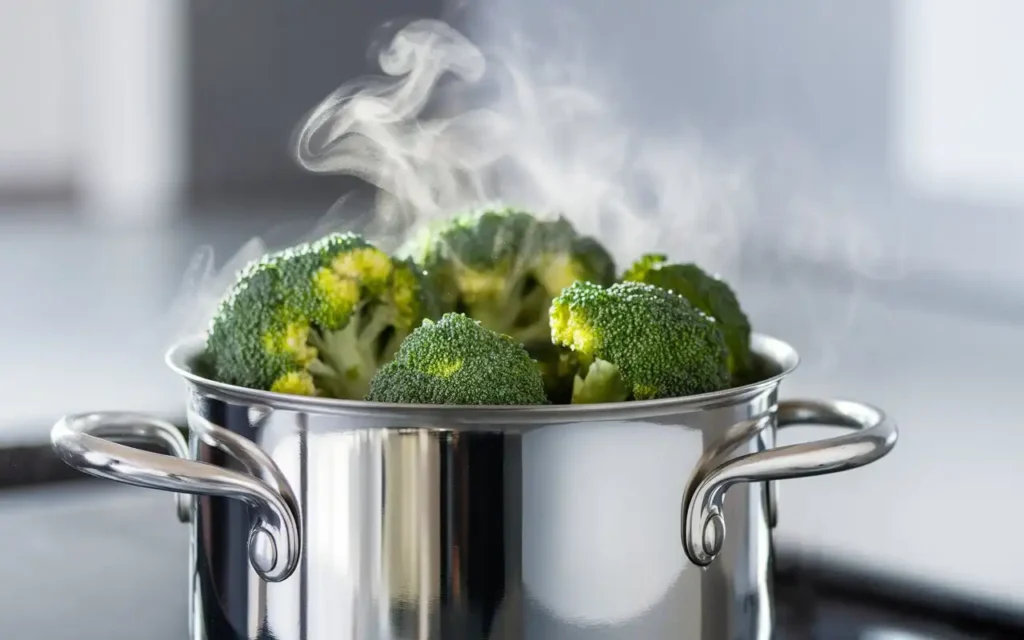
(322, 519)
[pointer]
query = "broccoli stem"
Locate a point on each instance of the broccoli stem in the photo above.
(348, 357)
(600, 383)
(537, 332)
(497, 318)
(523, 317)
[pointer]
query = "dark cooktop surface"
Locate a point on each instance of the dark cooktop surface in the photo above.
(96, 561)
(819, 602)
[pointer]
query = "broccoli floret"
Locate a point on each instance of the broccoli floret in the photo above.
(637, 341)
(707, 292)
(502, 267)
(456, 360)
(316, 319)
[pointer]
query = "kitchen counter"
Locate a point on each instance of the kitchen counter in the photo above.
(108, 562)
(95, 320)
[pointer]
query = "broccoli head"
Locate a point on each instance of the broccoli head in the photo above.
(316, 319)
(502, 267)
(458, 361)
(710, 294)
(637, 341)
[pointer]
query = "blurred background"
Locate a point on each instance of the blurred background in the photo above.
(132, 133)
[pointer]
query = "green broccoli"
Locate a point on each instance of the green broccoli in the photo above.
(316, 319)
(456, 360)
(502, 267)
(637, 341)
(710, 294)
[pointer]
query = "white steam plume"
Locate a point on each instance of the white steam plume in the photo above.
(512, 128)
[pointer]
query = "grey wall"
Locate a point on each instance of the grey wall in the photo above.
(37, 152)
(819, 72)
(256, 67)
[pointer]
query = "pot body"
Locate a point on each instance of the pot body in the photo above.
(316, 519)
(428, 531)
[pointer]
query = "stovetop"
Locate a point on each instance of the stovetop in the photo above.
(817, 601)
(108, 562)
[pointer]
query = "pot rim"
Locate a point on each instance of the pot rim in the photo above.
(779, 356)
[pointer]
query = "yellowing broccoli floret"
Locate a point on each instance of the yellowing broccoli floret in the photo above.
(458, 361)
(502, 267)
(637, 341)
(707, 292)
(316, 319)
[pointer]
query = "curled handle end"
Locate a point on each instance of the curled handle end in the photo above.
(81, 442)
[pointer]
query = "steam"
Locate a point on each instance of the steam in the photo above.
(451, 126)
(372, 129)
(204, 284)
(454, 126)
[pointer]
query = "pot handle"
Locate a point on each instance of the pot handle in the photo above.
(274, 540)
(875, 435)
